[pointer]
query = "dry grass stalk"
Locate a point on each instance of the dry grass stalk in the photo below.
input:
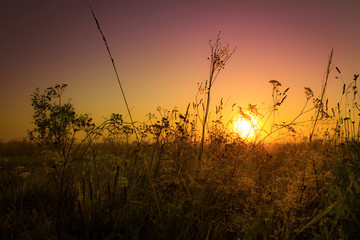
(116, 73)
(322, 95)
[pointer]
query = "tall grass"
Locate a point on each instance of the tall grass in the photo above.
(108, 187)
(242, 191)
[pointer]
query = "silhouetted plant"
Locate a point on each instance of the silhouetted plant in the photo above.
(219, 55)
(347, 111)
(320, 102)
(278, 98)
(104, 187)
(116, 73)
(56, 123)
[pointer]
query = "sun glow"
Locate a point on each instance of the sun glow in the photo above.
(245, 126)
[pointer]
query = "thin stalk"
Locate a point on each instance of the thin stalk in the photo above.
(218, 57)
(322, 94)
(274, 108)
(154, 193)
(302, 112)
(206, 111)
(116, 73)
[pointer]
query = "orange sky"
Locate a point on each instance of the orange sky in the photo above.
(161, 49)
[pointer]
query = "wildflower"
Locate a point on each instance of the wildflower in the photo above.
(275, 83)
(309, 93)
(356, 76)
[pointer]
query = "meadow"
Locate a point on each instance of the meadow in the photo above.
(185, 175)
(105, 184)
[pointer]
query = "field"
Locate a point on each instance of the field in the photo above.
(76, 180)
(185, 175)
(159, 191)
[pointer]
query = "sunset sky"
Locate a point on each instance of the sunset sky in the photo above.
(160, 49)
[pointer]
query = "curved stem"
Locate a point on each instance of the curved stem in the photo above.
(116, 73)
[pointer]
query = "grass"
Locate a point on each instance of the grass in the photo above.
(175, 183)
(246, 192)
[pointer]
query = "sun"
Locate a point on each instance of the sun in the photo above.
(245, 126)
